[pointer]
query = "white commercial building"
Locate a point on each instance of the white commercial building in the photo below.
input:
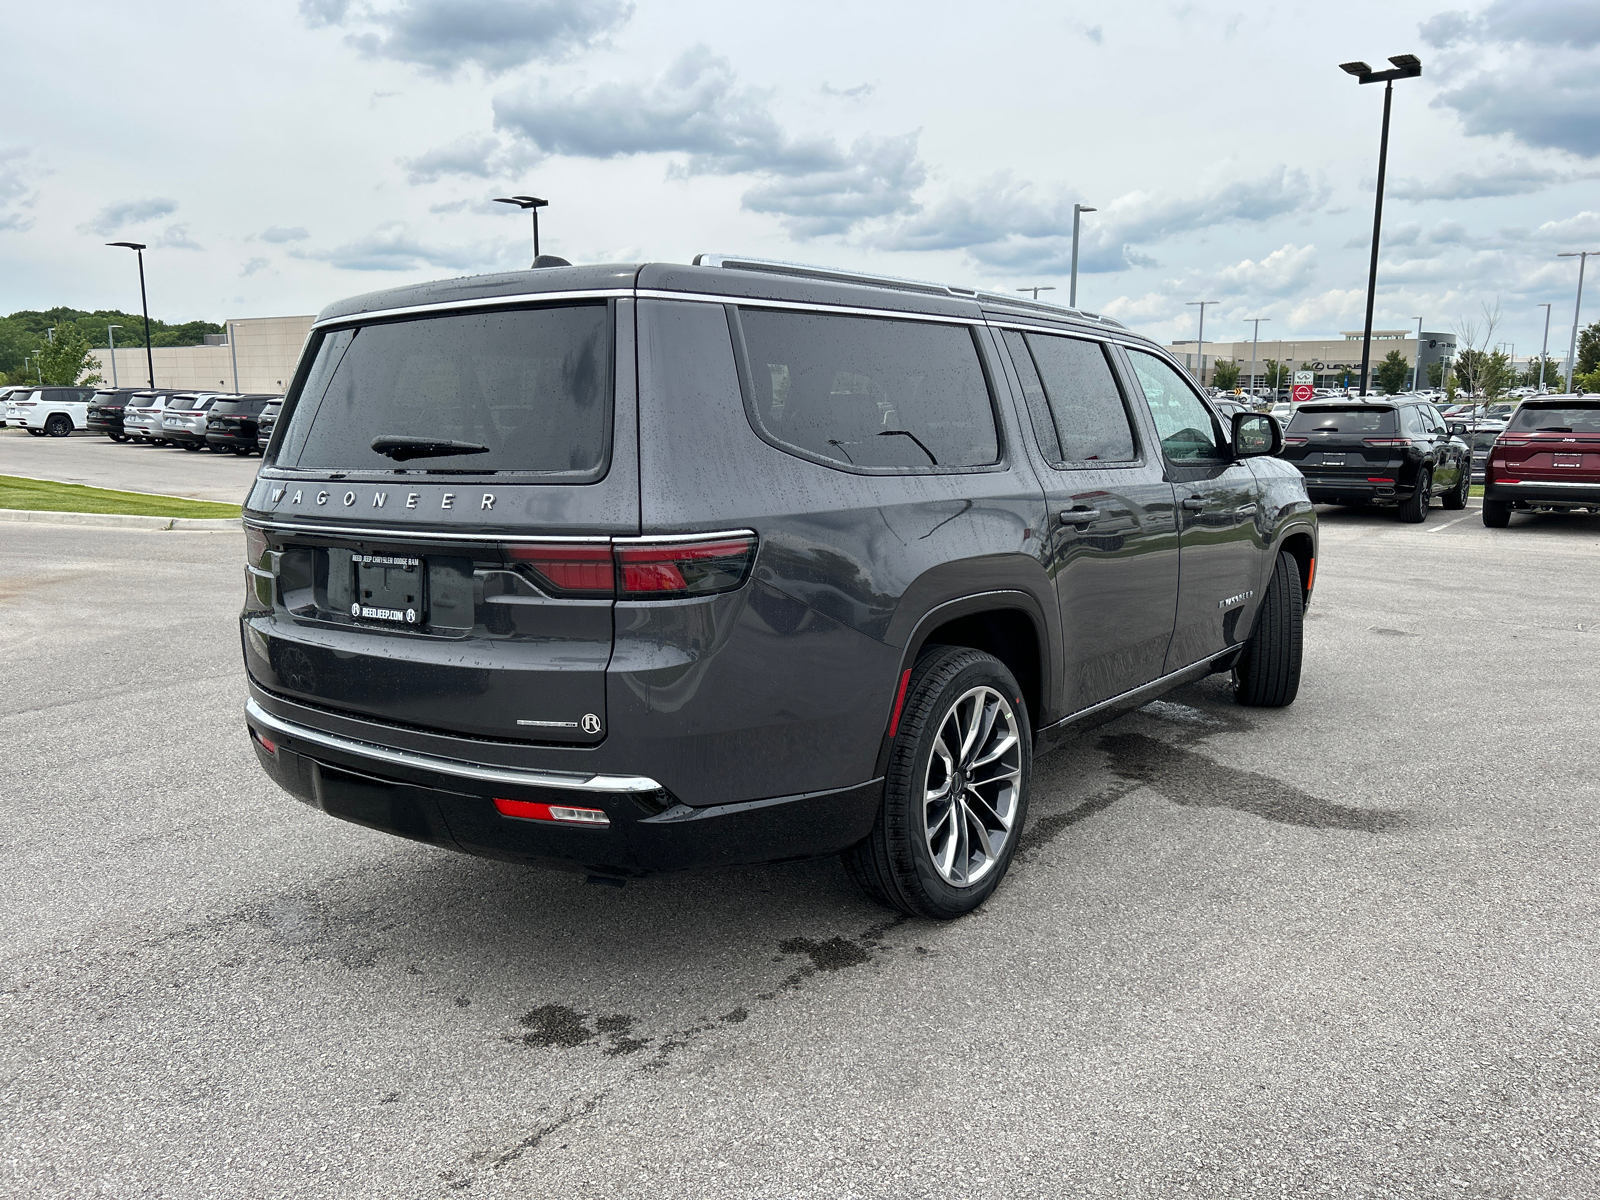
(257, 354)
(1336, 362)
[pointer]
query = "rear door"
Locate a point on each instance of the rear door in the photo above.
(1112, 545)
(1220, 527)
(460, 577)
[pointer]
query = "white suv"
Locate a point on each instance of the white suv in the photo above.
(56, 411)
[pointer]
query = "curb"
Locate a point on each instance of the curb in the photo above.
(118, 520)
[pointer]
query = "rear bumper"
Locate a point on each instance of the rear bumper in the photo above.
(99, 424)
(450, 803)
(1542, 493)
(183, 436)
(230, 441)
(1341, 491)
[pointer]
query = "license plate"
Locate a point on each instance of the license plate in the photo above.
(389, 588)
(1333, 460)
(1561, 460)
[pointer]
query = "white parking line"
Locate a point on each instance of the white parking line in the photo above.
(1447, 524)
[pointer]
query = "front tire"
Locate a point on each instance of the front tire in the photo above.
(955, 797)
(1497, 513)
(1267, 674)
(1413, 509)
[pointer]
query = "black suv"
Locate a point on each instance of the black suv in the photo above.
(231, 423)
(650, 567)
(105, 412)
(1359, 452)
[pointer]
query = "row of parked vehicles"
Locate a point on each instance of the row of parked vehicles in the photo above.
(224, 422)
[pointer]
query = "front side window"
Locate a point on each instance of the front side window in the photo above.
(1188, 431)
(868, 391)
(524, 390)
(1091, 418)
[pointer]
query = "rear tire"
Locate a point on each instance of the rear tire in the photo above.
(35, 432)
(931, 854)
(58, 425)
(1413, 510)
(1496, 513)
(1267, 674)
(1456, 498)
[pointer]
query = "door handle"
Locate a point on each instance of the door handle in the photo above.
(1194, 504)
(1080, 516)
(1245, 510)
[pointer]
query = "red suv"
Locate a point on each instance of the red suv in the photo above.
(1546, 460)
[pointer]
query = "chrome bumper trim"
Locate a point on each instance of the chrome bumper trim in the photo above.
(481, 772)
(1545, 483)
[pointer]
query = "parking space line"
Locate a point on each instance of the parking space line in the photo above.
(1447, 524)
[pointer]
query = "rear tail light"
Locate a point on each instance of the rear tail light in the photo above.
(1505, 441)
(1386, 441)
(642, 568)
(1379, 479)
(1295, 441)
(529, 810)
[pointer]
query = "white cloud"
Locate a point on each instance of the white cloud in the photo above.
(115, 217)
(393, 247)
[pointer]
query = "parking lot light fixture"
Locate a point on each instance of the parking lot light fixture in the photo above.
(1572, 348)
(530, 204)
(1200, 349)
(1406, 66)
(149, 358)
(1544, 349)
(1077, 222)
(1255, 339)
(1044, 287)
(111, 340)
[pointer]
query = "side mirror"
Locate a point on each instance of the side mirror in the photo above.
(1458, 429)
(1255, 435)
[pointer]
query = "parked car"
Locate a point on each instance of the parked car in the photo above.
(1547, 460)
(141, 417)
(1480, 437)
(9, 393)
(184, 421)
(265, 422)
(56, 411)
(231, 423)
(1373, 452)
(1282, 411)
(665, 566)
(106, 408)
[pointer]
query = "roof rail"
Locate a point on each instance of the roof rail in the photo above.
(773, 266)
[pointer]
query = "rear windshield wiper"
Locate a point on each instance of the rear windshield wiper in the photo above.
(402, 448)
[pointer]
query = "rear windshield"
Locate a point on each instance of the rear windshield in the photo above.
(1343, 420)
(1577, 419)
(532, 387)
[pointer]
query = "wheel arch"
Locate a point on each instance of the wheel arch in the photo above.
(1298, 542)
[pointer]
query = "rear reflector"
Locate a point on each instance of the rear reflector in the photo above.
(267, 744)
(1311, 575)
(529, 810)
(1379, 479)
(899, 702)
(571, 570)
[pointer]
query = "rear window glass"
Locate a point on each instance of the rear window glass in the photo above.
(869, 392)
(530, 386)
(1577, 419)
(1343, 420)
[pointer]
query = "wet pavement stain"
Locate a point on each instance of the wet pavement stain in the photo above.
(555, 1025)
(736, 1016)
(835, 954)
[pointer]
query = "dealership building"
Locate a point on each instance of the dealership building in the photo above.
(256, 354)
(1335, 362)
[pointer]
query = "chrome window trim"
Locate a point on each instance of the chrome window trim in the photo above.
(458, 768)
(411, 310)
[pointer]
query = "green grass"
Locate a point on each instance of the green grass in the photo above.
(43, 495)
(1477, 490)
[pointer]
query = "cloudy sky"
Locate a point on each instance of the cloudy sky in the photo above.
(281, 154)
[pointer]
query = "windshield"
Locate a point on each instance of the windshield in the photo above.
(1552, 419)
(532, 386)
(1364, 419)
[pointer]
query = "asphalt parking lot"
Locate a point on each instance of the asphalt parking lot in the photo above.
(100, 462)
(1345, 948)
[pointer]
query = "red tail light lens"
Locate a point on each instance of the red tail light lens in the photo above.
(1505, 441)
(570, 570)
(1295, 441)
(1386, 441)
(529, 810)
(664, 570)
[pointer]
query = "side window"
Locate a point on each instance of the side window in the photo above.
(1044, 426)
(1412, 421)
(869, 391)
(1186, 427)
(1091, 417)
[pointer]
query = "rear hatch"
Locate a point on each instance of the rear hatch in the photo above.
(234, 418)
(432, 534)
(1551, 442)
(1345, 443)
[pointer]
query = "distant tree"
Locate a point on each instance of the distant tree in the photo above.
(1498, 374)
(1391, 372)
(1472, 358)
(1589, 349)
(67, 358)
(1587, 383)
(1436, 374)
(1277, 374)
(1225, 374)
(1552, 374)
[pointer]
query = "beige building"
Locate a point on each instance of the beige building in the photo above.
(1335, 362)
(257, 354)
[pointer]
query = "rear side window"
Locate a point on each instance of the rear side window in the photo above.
(1188, 431)
(1576, 419)
(868, 391)
(1091, 418)
(531, 387)
(1343, 420)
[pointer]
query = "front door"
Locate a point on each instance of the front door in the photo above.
(1112, 547)
(1221, 537)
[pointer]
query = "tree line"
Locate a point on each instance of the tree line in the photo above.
(25, 334)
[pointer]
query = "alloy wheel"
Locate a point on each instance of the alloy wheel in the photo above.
(971, 788)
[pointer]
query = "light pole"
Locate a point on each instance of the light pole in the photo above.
(149, 358)
(1255, 339)
(1572, 349)
(111, 339)
(1077, 221)
(530, 204)
(1406, 66)
(1045, 287)
(1200, 357)
(1544, 348)
(1416, 370)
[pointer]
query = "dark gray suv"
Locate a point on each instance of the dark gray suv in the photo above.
(652, 567)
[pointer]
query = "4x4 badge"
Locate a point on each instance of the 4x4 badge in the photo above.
(591, 723)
